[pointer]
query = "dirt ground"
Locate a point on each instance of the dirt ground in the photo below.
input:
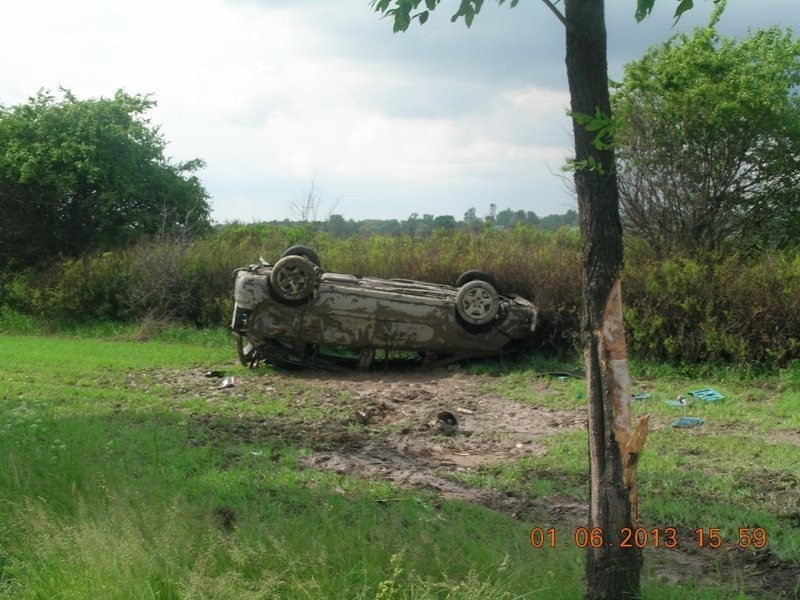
(417, 429)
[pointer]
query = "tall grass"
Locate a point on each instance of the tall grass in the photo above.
(721, 309)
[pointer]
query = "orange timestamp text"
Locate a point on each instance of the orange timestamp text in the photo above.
(656, 537)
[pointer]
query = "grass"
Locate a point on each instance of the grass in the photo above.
(119, 481)
(740, 468)
(116, 490)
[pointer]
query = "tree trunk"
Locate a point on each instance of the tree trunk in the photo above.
(612, 572)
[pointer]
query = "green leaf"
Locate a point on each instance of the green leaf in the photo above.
(643, 9)
(423, 17)
(430, 4)
(401, 22)
(683, 7)
(468, 17)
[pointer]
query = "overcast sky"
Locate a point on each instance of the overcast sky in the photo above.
(273, 94)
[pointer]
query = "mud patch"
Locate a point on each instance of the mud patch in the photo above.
(406, 414)
(766, 575)
(784, 437)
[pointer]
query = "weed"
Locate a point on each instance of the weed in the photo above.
(119, 479)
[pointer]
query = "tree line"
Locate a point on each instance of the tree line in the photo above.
(427, 224)
(706, 133)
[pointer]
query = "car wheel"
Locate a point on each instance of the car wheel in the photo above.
(477, 302)
(293, 278)
(475, 275)
(303, 251)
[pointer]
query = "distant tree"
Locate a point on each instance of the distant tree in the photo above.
(369, 227)
(505, 218)
(411, 225)
(471, 221)
(339, 227)
(551, 222)
(78, 175)
(424, 226)
(568, 219)
(306, 207)
(531, 218)
(708, 142)
(446, 222)
(390, 227)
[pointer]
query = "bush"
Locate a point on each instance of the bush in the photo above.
(695, 309)
(89, 288)
(720, 309)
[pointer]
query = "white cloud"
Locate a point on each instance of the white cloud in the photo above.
(271, 94)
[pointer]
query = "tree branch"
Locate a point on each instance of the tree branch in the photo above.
(556, 12)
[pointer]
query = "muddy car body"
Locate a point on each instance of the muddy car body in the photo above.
(293, 313)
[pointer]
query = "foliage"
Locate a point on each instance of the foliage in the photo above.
(193, 282)
(81, 175)
(429, 224)
(708, 141)
(402, 13)
(645, 7)
(734, 309)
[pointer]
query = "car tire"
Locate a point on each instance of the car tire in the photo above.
(475, 275)
(477, 302)
(303, 251)
(293, 278)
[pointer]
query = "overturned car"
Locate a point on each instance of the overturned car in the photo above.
(293, 313)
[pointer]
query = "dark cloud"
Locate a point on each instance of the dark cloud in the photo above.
(443, 68)
(505, 46)
(471, 78)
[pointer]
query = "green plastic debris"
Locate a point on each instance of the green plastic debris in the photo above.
(686, 422)
(707, 394)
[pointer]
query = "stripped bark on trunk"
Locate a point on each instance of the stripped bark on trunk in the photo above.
(611, 570)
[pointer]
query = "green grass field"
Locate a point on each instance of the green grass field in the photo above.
(120, 480)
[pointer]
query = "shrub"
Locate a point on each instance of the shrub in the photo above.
(731, 309)
(722, 309)
(74, 290)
